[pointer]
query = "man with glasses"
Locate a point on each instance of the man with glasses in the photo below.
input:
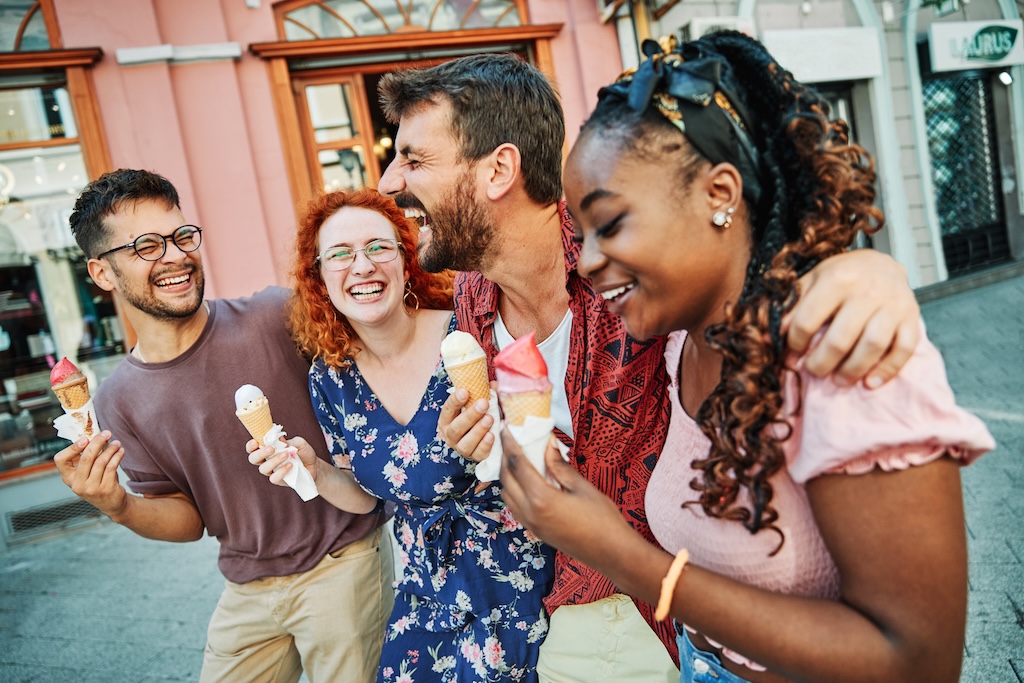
(308, 586)
(479, 159)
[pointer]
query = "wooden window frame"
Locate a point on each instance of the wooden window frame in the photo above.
(76, 67)
(281, 55)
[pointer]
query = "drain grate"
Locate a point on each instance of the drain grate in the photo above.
(41, 519)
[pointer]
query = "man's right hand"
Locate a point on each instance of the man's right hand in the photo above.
(466, 429)
(89, 468)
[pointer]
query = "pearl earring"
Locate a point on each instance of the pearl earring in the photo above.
(723, 219)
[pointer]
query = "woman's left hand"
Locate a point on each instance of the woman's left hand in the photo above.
(564, 509)
(275, 467)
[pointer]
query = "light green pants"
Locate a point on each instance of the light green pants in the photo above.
(603, 642)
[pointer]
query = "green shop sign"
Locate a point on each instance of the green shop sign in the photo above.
(957, 45)
(992, 44)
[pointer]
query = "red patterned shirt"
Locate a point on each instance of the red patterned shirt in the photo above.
(617, 389)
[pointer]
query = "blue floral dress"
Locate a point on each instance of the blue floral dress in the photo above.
(468, 604)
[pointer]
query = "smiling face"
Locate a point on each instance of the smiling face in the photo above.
(648, 243)
(439, 191)
(169, 288)
(367, 292)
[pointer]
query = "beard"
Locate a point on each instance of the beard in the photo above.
(461, 231)
(143, 299)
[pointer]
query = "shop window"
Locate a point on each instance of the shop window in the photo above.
(51, 144)
(316, 20)
(49, 307)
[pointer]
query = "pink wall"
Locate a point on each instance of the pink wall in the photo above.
(210, 127)
(586, 55)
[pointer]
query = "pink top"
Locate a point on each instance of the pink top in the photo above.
(911, 420)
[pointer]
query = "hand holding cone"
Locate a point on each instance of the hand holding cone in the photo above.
(253, 409)
(72, 390)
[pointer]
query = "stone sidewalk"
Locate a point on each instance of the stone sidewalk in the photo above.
(981, 335)
(101, 605)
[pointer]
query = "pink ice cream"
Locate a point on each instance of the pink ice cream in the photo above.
(520, 367)
(64, 371)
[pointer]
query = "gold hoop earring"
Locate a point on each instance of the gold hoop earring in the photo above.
(408, 292)
(723, 219)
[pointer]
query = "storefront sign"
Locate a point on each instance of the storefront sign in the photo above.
(975, 44)
(827, 54)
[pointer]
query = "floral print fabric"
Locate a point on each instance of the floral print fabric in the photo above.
(468, 605)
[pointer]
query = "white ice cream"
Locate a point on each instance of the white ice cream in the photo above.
(246, 395)
(460, 347)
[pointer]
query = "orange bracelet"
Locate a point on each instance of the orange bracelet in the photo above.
(668, 584)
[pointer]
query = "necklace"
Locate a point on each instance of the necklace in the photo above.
(138, 354)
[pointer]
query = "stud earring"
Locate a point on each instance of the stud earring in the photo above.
(723, 219)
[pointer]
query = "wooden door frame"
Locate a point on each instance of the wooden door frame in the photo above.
(281, 55)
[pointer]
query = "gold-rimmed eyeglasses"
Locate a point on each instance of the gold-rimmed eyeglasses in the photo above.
(339, 258)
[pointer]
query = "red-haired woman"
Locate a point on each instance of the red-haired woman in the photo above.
(468, 603)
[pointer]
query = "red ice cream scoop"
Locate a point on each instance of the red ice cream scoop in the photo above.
(64, 371)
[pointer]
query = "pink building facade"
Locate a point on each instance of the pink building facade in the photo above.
(249, 107)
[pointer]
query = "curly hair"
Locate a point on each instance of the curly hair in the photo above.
(317, 327)
(818, 193)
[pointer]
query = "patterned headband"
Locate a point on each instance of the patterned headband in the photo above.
(694, 90)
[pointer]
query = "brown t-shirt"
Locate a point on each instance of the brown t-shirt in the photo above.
(177, 423)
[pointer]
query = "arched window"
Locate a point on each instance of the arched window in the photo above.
(51, 145)
(305, 20)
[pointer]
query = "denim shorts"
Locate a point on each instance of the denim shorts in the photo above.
(698, 666)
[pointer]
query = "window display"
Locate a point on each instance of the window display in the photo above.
(49, 308)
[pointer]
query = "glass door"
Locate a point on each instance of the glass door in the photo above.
(962, 141)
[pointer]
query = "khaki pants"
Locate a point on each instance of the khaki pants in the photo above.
(328, 621)
(603, 641)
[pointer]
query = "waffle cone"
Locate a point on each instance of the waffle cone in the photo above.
(472, 377)
(74, 394)
(518, 406)
(257, 420)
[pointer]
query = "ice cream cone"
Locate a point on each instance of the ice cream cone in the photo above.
(73, 395)
(256, 418)
(472, 377)
(518, 406)
(84, 418)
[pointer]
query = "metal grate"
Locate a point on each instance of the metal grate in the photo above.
(27, 523)
(965, 170)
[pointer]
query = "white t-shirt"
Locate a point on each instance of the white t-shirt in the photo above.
(555, 351)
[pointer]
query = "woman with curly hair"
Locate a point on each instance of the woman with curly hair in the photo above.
(468, 602)
(817, 529)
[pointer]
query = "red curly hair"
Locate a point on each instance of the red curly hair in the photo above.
(317, 327)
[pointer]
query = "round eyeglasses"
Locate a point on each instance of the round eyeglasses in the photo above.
(339, 258)
(153, 246)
